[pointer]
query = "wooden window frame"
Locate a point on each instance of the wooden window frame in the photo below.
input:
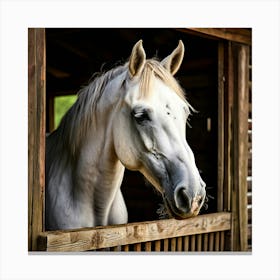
(233, 55)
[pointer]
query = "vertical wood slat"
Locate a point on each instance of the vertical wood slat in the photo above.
(179, 244)
(228, 111)
(243, 108)
(166, 245)
(148, 246)
(125, 248)
(36, 134)
(217, 241)
(31, 123)
(221, 127)
(186, 243)
(222, 241)
(157, 246)
(137, 247)
(211, 241)
(173, 244)
(205, 242)
(199, 243)
(193, 242)
(240, 147)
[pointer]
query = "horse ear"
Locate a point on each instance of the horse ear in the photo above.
(137, 59)
(173, 62)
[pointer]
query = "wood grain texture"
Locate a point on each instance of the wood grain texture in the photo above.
(36, 134)
(221, 127)
(239, 63)
(134, 233)
(242, 142)
(239, 35)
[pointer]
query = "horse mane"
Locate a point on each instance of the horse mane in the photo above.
(76, 122)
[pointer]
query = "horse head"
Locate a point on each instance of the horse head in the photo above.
(149, 131)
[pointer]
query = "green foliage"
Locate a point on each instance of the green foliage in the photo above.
(61, 106)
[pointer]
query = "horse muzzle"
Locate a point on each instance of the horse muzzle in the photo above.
(183, 203)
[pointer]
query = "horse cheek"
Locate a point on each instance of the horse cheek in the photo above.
(123, 145)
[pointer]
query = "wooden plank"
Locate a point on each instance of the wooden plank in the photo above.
(243, 99)
(217, 241)
(36, 133)
(31, 123)
(137, 247)
(211, 241)
(148, 246)
(125, 248)
(193, 243)
(166, 245)
(221, 140)
(157, 246)
(222, 241)
(173, 244)
(240, 35)
(228, 134)
(240, 148)
(102, 237)
(205, 242)
(186, 243)
(199, 242)
(179, 244)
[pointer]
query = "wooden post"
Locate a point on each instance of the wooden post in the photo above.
(36, 134)
(240, 148)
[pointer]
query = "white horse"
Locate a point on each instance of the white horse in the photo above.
(133, 116)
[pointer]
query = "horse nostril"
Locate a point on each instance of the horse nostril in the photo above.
(182, 199)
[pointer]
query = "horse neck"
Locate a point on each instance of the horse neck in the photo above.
(98, 172)
(89, 178)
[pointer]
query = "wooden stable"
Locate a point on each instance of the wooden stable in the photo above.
(227, 225)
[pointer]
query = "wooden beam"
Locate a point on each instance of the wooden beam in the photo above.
(36, 133)
(239, 35)
(134, 233)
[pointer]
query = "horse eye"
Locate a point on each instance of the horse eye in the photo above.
(141, 116)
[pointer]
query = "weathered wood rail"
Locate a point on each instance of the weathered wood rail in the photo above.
(205, 232)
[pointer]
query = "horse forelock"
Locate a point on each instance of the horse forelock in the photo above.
(153, 69)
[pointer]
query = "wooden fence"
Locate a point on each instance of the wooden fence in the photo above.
(202, 233)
